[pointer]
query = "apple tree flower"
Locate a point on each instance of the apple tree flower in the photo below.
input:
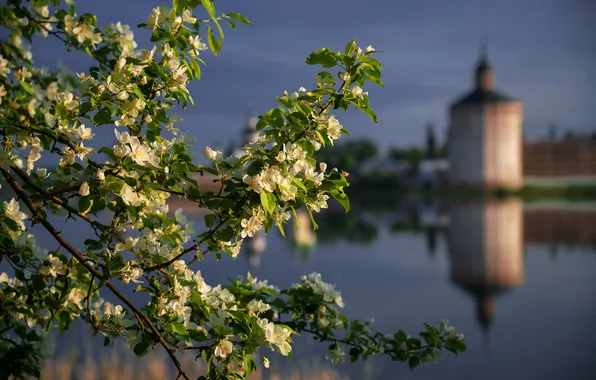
(119, 194)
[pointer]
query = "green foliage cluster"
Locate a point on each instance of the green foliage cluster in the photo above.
(120, 194)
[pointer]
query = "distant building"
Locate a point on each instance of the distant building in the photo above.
(564, 162)
(431, 173)
(485, 136)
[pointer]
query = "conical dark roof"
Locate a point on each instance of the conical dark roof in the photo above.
(480, 96)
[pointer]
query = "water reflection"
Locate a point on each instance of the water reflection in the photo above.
(485, 238)
(485, 264)
(485, 244)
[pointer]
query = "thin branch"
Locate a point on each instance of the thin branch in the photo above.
(57, 200)
(60, 138)
(193, 247)
(88, 299)
(301, 134)
(40, 23)
(186, 347)
(50, 194)
(81, 258)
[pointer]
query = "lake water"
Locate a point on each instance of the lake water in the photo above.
(519, 281)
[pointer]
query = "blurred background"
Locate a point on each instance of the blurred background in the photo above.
(473, 198)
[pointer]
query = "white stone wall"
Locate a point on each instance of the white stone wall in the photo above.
(486, 242)
(485, 145)
(503, 161)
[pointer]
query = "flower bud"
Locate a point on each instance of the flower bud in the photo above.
(209, 154)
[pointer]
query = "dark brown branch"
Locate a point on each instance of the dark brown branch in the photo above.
(49, 194)
(40, 23)
(57, 200)
(81, 258)
(190, 348)
(193, 247)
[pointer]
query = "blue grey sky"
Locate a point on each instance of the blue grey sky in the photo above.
(543, 52)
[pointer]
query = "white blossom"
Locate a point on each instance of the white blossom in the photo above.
(333, 128)
(277, 335)
(68, 100)
(213, 155)
(131, 274)
(357, 91)
(257, 306)
(131, 197)
(4, 66)
(55, 268)
(224, 348)
(84, 189)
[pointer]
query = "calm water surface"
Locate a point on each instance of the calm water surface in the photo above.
(518, 280)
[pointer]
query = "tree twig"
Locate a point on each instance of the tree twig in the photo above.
(57, 200)
(193, 247)
(81, 258)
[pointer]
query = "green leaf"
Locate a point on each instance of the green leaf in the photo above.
(240, 18)
(342, 198)
(65, 320)
(400, 336)
(178, 5)
(103, 116)
(350, 47)
(325, 77)
(370, 113)
(231, 24)
(221, 32)
(85, 204)
(26, 87)
(178, 328)
(296, 181)
(249, 363)
(138, 93)
(268, 201)
(93, 245)
(324, 57)
(208, 4)
(210, 220)
(214, 43)
(456, 345)
(281, 230)
(196, 69)
(413, 362)
(431, 329)
(141, 348)
(315, 226)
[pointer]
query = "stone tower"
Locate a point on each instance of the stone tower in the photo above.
(485, 135)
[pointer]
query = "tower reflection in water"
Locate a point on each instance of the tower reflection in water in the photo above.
(301, 240)
(486, 249)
